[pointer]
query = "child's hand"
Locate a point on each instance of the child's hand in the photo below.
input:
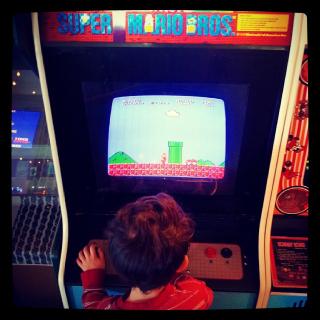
(91, 257)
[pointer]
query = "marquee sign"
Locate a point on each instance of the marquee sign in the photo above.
(169, 26)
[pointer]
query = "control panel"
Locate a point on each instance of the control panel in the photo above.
(206, 260)
(215, 261)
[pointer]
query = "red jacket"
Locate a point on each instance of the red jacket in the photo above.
(182, 293)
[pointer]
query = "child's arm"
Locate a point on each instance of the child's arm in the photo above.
(92, 262)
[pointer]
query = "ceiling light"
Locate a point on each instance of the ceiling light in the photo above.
(14, 83)
(33, 92)
(18, 74)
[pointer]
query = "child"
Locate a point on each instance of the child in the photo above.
(148, 245)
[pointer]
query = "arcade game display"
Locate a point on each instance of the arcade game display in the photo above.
(190, 103)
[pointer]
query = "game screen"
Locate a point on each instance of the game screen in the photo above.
(181, 138)
(167, 136)
(24, 125)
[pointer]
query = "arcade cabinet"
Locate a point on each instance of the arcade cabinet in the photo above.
(195, 104)
(289, 230)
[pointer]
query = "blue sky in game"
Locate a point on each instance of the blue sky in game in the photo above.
(141, 126)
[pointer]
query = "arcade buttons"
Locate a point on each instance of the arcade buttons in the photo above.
(226, 252)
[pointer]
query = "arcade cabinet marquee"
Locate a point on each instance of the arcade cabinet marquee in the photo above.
(187, 27)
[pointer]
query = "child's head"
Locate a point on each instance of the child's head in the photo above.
(148, 240)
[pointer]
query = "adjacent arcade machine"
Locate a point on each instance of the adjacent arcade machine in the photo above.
(191, 103)
(289, 230)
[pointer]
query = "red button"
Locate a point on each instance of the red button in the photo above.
(210, 252)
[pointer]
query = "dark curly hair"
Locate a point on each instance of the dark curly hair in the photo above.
(148, 240)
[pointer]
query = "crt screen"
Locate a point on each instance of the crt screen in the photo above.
(167, 136)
